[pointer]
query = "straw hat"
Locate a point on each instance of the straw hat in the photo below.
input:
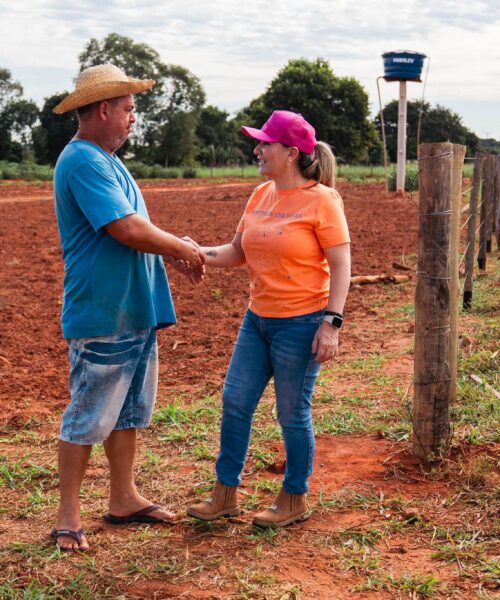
(101, 83)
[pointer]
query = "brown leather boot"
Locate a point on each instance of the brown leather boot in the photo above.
(287, 508)
(221, 503)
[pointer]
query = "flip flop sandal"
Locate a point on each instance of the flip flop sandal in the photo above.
(76, 535)
(141, 516)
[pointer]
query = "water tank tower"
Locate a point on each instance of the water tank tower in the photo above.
(402, 66)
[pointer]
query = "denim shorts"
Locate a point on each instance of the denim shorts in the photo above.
(113, 382)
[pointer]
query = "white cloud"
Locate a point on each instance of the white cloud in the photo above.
(237, 48)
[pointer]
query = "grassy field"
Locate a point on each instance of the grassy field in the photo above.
(353, 173)
(456, 524)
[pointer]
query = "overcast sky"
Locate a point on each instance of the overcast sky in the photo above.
(236, 48)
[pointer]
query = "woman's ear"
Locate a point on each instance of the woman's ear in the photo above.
(293, 153)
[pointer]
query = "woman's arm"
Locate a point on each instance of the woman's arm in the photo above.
(227, 255)
(339, 261)
(326, 341)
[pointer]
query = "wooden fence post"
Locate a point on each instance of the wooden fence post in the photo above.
(475, 193)
(431, 425)
(456, 205)
(487, 199)
(497, 200)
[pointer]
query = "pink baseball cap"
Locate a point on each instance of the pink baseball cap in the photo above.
(286, 127)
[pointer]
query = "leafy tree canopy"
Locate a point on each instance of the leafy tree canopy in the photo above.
(177, 90)
(438, 124)
(54, 132)
(336, 106)
(218, 138)
(17, 117)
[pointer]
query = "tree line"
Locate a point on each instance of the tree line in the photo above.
(176, 127)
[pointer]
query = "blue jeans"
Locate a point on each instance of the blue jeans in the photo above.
(280, 348)
(113, 382)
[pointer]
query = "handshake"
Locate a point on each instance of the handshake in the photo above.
(190, 260)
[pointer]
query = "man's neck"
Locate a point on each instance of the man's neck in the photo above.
(90, 136)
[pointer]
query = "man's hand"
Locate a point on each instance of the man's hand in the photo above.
(194, 275)
(189, 253)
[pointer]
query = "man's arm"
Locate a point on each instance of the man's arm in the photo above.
(138, 233)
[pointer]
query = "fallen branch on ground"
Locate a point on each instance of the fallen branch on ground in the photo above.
(383, 278)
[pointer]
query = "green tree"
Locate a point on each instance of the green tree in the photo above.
(176, 98)
(218, 138)
(54, 131)
(336, 106)
(173, 124)
(438, 124)
(17, 117)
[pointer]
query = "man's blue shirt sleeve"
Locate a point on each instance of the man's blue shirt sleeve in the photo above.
(99, 194)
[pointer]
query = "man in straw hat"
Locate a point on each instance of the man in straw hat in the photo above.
(116, 295)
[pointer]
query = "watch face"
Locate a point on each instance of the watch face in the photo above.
(334, 320)
(337, 321)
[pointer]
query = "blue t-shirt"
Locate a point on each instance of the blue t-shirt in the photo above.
(109, 288)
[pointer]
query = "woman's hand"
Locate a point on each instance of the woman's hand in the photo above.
(195, 275)
(325, 343)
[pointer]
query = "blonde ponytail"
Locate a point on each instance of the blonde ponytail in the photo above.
(320, 165)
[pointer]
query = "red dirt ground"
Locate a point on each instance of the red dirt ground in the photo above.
(194, 356)
(33, 365)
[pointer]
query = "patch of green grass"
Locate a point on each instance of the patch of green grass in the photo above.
(367, 364)
(171, 567)
(362, 537)
(477, 412)
(202, 452)
(263, 458)
(270, 535)
(423, 585)
(250, 501)
(399, 432)
(490, 571)
(73, 589)
(484, 295)
(152, 459)
(383, 381)
(270, 486)
(25, 436)
(361, 173)
(339, 422)
(348, 499)
(266, 433)
(171, 414)
(356, 400)
(464, 553)
(404, 312)
(31, 552)
(359, 559)
(23, 473)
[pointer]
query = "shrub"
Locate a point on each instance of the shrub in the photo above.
(189, 172)
(139, 170)
(411, 180)
(158, 172)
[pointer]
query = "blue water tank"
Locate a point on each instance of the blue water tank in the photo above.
(403, 65)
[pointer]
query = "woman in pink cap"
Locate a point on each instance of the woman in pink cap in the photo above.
(294, 238)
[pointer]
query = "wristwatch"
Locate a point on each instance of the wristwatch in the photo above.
(335, 319)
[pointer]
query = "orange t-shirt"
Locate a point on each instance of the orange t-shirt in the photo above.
(283, 236)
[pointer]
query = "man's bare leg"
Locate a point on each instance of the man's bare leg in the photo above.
(73, 460)
(124, 499)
